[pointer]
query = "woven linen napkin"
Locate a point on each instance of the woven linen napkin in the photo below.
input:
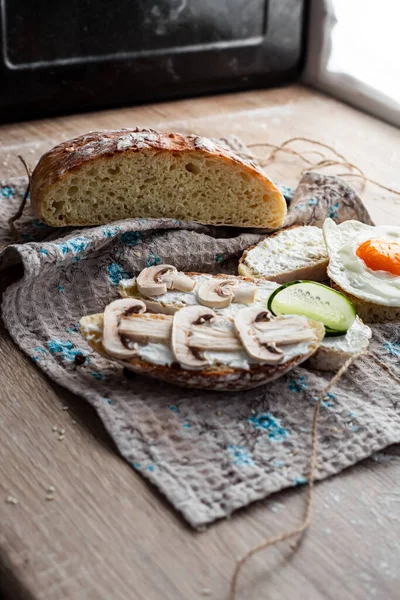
(209, 453)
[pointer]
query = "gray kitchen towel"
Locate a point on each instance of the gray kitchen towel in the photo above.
(209, 453)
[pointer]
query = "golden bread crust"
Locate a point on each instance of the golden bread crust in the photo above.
(68, 157)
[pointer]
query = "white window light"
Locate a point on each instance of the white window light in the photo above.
(354, 53)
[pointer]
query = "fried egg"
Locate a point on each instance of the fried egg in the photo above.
(365, 260)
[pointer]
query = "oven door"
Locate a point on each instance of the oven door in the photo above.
(75, 55)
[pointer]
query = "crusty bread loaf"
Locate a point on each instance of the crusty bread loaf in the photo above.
(370, 312)
(218, 378)
(110, 175)
(298, 252)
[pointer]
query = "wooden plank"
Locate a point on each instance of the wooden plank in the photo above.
(108, 534)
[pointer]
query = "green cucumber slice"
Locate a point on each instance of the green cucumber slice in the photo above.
(315, 301)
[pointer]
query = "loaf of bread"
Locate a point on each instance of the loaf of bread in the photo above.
(109, 175)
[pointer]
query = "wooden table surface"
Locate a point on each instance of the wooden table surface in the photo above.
(108, 534)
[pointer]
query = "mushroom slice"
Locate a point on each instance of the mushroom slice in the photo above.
(179, 281)
(155, 281)
(244, 294)
(284, 330)
(216, 293)
(182, 325)
(219, 293)
(147, 328)
(112, 342)
(245, 320)
(203, 337)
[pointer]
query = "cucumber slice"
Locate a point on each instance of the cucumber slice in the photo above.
(315, 301)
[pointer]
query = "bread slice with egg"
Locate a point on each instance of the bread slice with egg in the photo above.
(375, 292)
(110, 175)
(298, 252)
(196, 348)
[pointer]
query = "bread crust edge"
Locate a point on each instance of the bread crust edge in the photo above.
(68, 157)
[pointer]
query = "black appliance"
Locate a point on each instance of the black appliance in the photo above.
(72, 55)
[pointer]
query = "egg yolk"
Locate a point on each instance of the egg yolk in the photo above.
(380, 255)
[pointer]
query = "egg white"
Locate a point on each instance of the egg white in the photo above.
(350, 272)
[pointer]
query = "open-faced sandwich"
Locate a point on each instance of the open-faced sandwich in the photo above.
(226, 294)
(364, 264)
(194, 345)
(221, 331)
(297, 252)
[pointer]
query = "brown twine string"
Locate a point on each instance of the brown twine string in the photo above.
(326, 162)
(301, 139)
(311, 473)
(18, 214)
(286, 150)
(334, 163)
(380, 185)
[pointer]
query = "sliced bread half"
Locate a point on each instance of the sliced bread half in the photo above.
(287, 255)
(109, 175)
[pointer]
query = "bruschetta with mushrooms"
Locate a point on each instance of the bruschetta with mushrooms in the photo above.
(199, 348)
(228, 294)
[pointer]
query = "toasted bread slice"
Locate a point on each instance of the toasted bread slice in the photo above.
(110, 175)
(331, 354)
(215, 377)
(298, 252)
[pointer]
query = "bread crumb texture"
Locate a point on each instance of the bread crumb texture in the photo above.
(107, 176)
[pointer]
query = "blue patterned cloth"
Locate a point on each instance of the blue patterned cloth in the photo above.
(210, 453)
